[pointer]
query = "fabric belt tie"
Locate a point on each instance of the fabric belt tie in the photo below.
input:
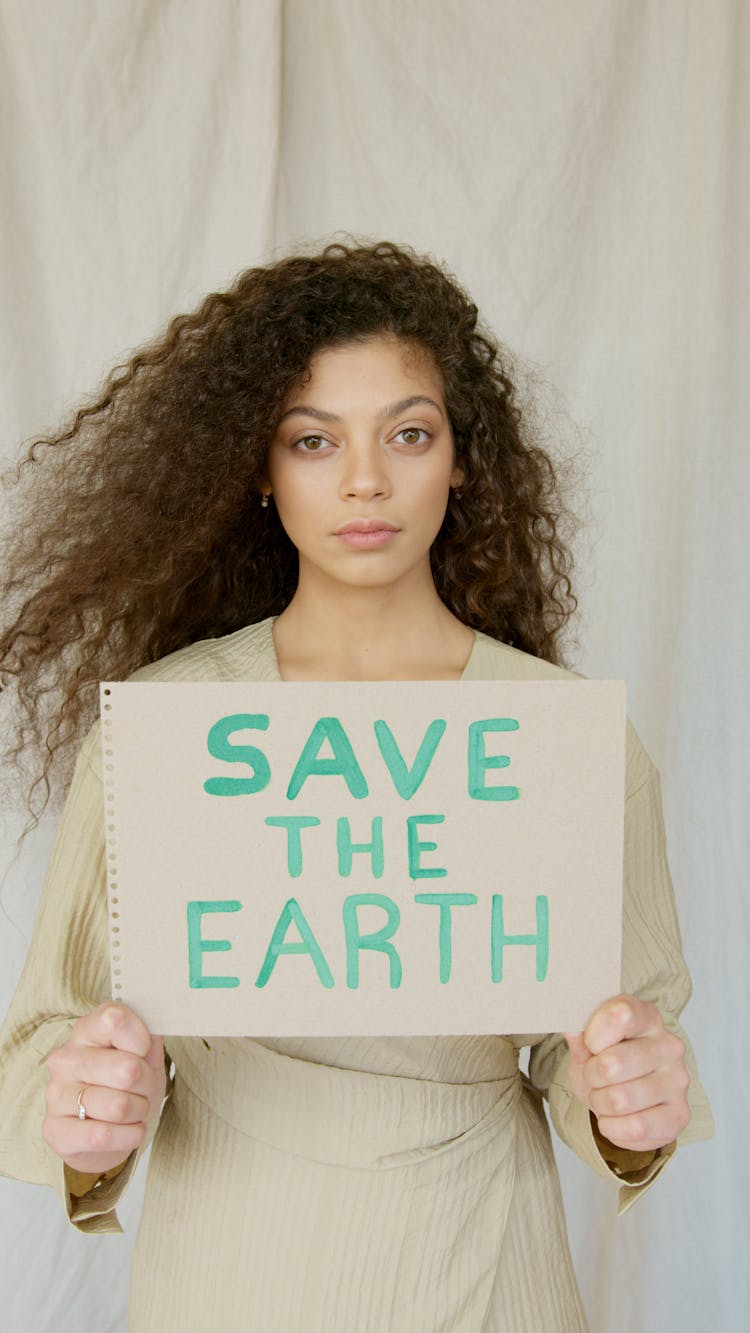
(339, 1116)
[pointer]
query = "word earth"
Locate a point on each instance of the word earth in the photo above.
(356, 941)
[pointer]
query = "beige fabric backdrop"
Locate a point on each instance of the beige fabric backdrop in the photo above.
(583, 169)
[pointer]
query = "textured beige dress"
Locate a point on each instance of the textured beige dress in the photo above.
(352, 1185)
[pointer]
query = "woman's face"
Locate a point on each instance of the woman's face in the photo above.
(360, 471)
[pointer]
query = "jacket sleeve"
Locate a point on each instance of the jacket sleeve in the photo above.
(653, 969)
(65, 976)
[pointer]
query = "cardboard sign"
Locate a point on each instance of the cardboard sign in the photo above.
(402, 857)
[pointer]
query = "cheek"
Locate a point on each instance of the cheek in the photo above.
(274, 466)
(298, 504)
(285, 484)
(429, 510)
(436, 491)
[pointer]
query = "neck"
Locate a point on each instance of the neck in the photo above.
(330, 631)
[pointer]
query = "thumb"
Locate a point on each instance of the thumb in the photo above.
(579, 1051)
(155, 1057)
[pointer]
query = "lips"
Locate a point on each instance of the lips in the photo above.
(366, 525)
(366, 534)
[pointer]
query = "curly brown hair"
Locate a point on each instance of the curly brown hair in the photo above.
(139, 529)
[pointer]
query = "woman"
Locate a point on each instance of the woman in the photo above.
(321, 475)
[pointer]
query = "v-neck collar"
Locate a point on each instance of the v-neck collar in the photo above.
(275, 670)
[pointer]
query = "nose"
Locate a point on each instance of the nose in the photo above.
(364, 473)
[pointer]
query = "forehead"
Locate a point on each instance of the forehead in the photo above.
(352, 368)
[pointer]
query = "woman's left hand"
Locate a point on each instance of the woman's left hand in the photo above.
(630, 1071)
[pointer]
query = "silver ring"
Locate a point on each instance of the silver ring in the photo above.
(79, 1103)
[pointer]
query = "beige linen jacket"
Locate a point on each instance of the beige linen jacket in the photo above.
(391, 1183)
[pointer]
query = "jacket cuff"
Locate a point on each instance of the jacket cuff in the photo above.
(633, 1171)
(90, 1201)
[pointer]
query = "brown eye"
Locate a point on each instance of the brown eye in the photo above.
(414, 431)
(310, 444)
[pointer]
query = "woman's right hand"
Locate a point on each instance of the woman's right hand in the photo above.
(110, 1058)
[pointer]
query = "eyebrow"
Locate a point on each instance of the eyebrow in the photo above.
(391, 411)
